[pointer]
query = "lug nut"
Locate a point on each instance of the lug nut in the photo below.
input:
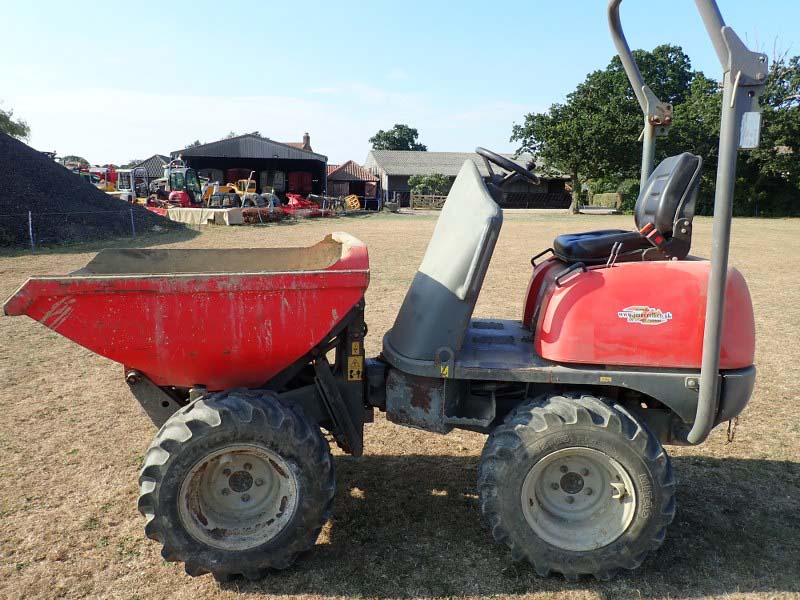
(225, 491)
(570, 499)
(554, 486)
(259, 482)
(245, 497)
(564, 468)
(247, 466)
(589, 491)
(585, 472)
(226, 472)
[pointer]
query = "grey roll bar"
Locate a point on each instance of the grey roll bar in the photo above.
(657, 114)
(744, 76)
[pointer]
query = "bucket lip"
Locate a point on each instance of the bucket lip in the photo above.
(351, 268)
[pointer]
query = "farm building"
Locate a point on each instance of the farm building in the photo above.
(278, 166)
(352, 178)
(154, 166)
(394, 167)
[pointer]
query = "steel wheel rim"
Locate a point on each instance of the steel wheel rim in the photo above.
(238, 497)
(578, 499)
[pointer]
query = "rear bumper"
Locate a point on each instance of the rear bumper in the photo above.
(737, 387)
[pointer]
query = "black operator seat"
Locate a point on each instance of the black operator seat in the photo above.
(663, 215)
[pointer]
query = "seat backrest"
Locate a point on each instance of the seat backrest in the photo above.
(438, 306)
(670, 193)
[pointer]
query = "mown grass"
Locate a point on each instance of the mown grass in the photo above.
(406, 521)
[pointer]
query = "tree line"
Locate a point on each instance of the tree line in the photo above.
(592, 136)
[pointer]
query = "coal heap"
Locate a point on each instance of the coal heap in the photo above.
(64, 208)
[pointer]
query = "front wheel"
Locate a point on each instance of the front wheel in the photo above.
(236, 483)
(577, 486)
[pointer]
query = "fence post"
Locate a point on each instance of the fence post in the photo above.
(133, 225)
(30, 229)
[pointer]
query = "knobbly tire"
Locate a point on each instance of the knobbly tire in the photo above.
(576, 485)
(236, 483)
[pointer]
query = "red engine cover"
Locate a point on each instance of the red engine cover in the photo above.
(637, 314)
(180, 198)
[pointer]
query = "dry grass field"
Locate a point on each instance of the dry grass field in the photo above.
(406, 520)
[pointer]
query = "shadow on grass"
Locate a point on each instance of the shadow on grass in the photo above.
(410, 526)
(145, 240)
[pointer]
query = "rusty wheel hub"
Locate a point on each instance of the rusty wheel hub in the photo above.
(239, 497)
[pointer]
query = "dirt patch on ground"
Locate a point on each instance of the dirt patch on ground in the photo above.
(406, 519)
(63, 207)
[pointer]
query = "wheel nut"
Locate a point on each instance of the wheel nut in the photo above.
(259, 482)
(585, 472)
(570, 499)
(247, 466)
(589, 491)
(564, 468)
(245, 497)
(226, 472)
(225, 491)
(554, 486)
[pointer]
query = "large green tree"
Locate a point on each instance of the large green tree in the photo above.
(593, 134)
(16, 128)
(768, 178)
(399, 137)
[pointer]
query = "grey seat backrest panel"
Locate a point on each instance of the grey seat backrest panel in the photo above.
(438, 306)
(670, 193)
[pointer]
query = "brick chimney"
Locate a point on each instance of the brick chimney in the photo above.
(307, 142)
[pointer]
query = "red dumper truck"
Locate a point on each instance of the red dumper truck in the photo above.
(626, 343)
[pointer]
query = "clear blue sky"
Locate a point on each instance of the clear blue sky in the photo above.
(113, 82)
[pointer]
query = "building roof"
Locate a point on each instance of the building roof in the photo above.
(350, 171)
(154, 165)
(250, 146)
(331, 168)
(304, 145)
(409, 162)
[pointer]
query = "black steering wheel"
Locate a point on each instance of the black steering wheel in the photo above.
(514, 170)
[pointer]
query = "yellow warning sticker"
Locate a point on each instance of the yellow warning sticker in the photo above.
(355, 348)
(355, 368)
(445, 370)
(605, 379)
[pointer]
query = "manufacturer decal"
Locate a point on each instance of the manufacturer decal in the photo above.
(644, 315)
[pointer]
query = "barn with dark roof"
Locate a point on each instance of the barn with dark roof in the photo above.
(277, 166)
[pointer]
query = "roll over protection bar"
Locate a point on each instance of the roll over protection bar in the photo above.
(657, 114)
(744, 77)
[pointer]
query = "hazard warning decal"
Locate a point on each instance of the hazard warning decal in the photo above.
(644, 315)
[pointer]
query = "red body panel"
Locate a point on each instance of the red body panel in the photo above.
(638, 314)
(536, 288)
(180, 198)
(217, 330)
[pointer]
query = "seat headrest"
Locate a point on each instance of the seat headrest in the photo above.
(670, 193)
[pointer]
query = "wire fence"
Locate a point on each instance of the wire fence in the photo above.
(34, 229)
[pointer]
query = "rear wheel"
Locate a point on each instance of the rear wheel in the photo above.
(236, 483)
(577, 486)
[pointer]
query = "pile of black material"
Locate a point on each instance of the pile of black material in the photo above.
(63, 207)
